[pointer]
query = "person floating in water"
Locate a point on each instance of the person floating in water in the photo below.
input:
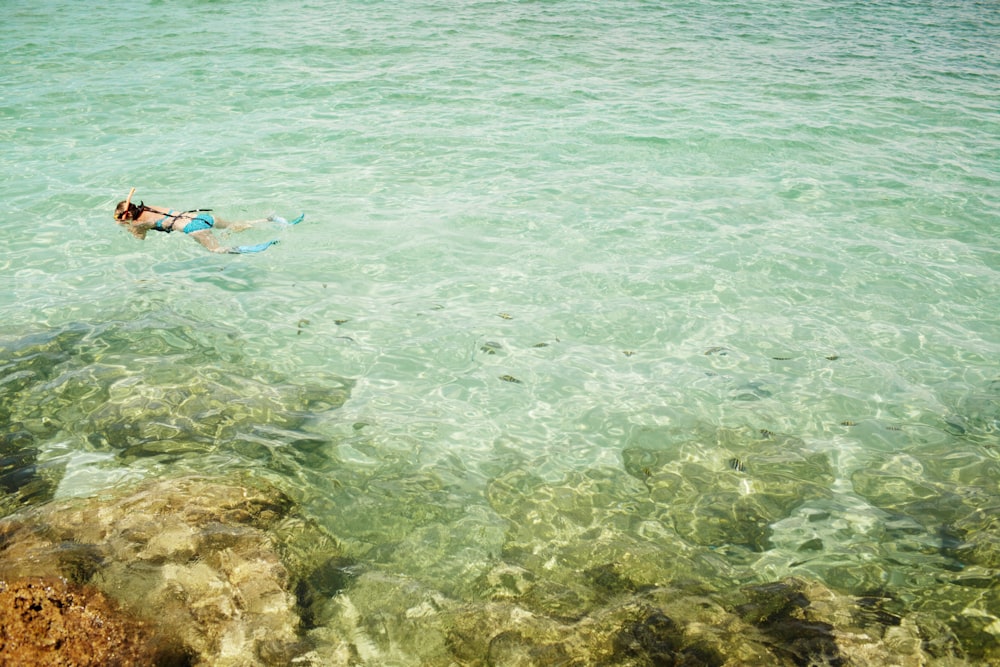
(197, 223)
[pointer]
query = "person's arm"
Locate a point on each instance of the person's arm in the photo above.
(136, 228)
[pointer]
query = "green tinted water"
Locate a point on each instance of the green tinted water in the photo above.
(716, 281)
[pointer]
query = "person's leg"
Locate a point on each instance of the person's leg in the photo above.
(207, 239)
(240, 225)
(237, 225)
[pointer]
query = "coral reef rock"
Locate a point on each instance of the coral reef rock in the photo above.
(198, 558)
(52, 622)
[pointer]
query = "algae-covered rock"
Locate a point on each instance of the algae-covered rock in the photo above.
(733, 491)
(50, 622)
(198, 558)
(23, 480)
(808, 624)
(197, 409)
(950, 497)
(393, 620)
(382, 619)
(171, 391)
(604, 532)
(586, 539)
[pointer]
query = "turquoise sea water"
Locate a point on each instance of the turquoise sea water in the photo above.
(715, 282)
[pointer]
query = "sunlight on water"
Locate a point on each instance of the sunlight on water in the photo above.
(590, 300)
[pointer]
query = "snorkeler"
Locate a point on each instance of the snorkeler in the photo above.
(197, 223)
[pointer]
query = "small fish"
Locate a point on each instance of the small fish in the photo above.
(848, 422)
(510, 378)
(737, 465)
(628, 353)
(505, 316)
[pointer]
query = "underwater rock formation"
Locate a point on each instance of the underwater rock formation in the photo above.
(669, 500)
(567, 530)
(49, 622)
(231, 575)
(393, 620)
(22, 480)
(949, 517)
(733, 498)
(161, 391)
(206, 562)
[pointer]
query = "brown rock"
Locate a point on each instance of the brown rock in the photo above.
(51, 622)
(198, 560)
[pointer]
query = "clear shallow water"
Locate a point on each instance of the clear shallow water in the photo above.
(557, 255)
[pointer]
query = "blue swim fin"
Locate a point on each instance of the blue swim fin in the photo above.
(280, 220)
(260, 247)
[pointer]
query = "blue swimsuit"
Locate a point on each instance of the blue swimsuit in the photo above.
(200, 222)
(197, 224)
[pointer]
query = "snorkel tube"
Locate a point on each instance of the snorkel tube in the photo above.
(125, 211)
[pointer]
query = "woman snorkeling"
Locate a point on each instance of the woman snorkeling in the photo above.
(197, 223)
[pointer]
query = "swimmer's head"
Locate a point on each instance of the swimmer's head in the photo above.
(126, 210)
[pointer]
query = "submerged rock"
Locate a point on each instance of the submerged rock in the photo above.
(210, 566)
(168, 391)
(585, 540)
(47, 622)
(603, 532)
(805, 623)
(948, 499)
(200, 560)
(22, 479)
(392, 620)
(732, 492)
